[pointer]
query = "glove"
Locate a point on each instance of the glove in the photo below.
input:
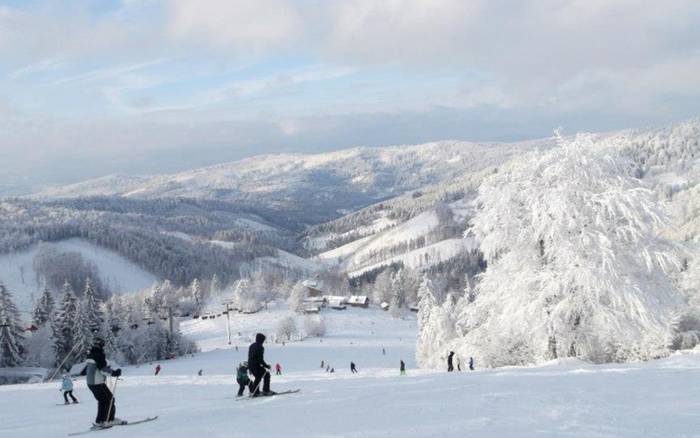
(117, 372)
(266, 366)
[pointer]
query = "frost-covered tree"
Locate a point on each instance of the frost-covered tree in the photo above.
(314, 325)
(287, 327)
(44, 308)
(82, 334)
(197, 294)
(215, 286)
(296, 298)
(11, 336)
(400, 290)
(576, 266)
(427, 332)
(91, 308)
(382, 289)
(64, 324)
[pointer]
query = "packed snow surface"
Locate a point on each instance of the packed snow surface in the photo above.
(561, 399)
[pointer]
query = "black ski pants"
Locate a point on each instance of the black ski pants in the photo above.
(104, 399)
(242, 387)
(69, 393)
(264, 376)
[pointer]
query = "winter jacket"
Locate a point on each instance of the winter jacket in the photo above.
(242, 375)
(67, 384)
(97, 368)
(256, 352)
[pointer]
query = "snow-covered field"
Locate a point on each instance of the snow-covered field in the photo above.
(564, 399)
(120, 274)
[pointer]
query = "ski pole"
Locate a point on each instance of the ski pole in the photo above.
(62, 362)
(111, 402)
(258, 385)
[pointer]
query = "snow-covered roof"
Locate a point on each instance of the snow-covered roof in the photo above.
(358, 299)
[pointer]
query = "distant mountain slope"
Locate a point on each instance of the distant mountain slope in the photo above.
(323, 186)
(116, 272)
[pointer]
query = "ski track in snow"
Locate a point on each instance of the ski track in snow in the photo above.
(561, 399)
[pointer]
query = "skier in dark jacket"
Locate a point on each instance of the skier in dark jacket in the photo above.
(402, 367)
(450, 367)
(353, 368)
(258, 367)
(471, 363)
(243, 379)
(96, 370)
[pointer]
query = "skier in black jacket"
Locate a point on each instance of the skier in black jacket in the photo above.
(258, 367)
(450, 367)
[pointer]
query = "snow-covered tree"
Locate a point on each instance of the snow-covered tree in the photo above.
(215, 286)
(64, 324)
(82, 334)
(287, 327)
(576, 266)
(11, 336)
(91, 307)
(382, 289)
(400, 290)
(427, 332)
(44, 308)
(314, 325)
(197, 294)
(296, 298)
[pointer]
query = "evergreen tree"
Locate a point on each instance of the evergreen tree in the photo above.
(427, 307)
(399, 287)
(91, 308)
(44, 308)
(196, 292)
(11, 336)
(64, 324)
(82, 333)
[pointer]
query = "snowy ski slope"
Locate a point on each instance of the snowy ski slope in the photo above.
(563, 399)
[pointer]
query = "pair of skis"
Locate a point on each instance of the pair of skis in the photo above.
(250, 397)
(131, 423)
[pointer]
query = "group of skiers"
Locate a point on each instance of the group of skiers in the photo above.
(450, 363)
(96, 369)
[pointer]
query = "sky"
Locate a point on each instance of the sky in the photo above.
(89, 88)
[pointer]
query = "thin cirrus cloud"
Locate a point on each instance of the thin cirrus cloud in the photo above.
(310, 75)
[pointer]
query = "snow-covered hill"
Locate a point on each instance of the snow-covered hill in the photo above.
(326, 184)
(116, 272)
(560, 399)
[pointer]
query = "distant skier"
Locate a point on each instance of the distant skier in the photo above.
(459, 364)
(278, 370)
(97, 370)
(328, 368)
(353, 368)
(450, 367)
(332, 370)
(322, 365)
(258, 367)
(383, 352)
(402, 368)
(199, 373)
(471, 363)
(67, 388)
(157, 369)
(243, 379)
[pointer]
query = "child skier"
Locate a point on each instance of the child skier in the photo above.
(243, 379)
(278, 369)
(67, 388)
(97, 370)
(157, 369)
